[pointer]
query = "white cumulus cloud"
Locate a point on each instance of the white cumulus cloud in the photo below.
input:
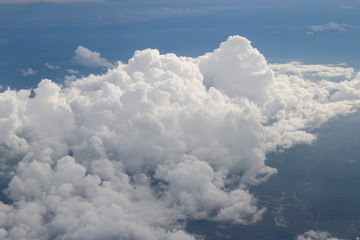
(88, 58)
(137, 151)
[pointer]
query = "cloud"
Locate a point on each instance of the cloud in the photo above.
(316, 235)
(29, 71)
(88, 58)
(137, 151)
(72, 71)
(329, 26)
(3, 41)
(314, 70)
(347, 7)
(232, 74)
(52, 67)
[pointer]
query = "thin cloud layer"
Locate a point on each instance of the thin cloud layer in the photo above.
(315, 70)
(87, 58)
(137, 151)
(329, 26)
(3, 41)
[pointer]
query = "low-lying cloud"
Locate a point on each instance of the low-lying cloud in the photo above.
(137, 151)
(314, 70)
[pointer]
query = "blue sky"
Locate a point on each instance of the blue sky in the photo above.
(33, 33)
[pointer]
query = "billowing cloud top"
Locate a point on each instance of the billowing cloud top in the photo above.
(134, 153)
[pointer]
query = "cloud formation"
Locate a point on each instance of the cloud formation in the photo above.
(316, 235)
(329, 26)
(72, 71)
(135, 152)
(87, 58)
(51, 66)
(29, 71)
(314, 70)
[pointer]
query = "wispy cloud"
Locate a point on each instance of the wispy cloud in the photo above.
(29, 71)
(51, 66)
(72, 71)
(114, 12)
(3, 41)
(329, 26)
(347, 7)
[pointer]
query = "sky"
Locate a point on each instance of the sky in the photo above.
(34, 33)
(128, 119)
